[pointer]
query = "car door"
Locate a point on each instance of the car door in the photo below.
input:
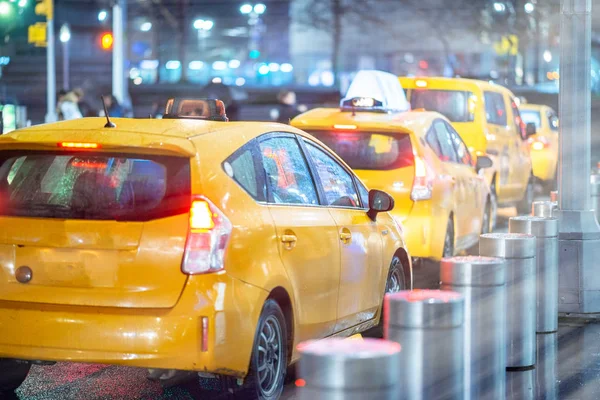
(455, 175)
(501, 141)
(473, 201)
(307, 235)
(520, 158)
(361, 252)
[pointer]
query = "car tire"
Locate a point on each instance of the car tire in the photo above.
(266, 375)
(449, 240)
(396, 281)
(12, 375)
(493, 205)
(486, 223)
(524, 206)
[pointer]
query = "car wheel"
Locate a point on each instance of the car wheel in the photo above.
(12, 374)
(268, 361)
(449, 240)
(493, 206)
(524, 206)
(486, 223)
(396, 281)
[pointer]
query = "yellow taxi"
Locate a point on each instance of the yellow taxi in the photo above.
(442, 203)
(542, 128)
(488, 119)
(186, 244)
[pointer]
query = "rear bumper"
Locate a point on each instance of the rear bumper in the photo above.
(543, 164)
(148, 338)
(421, 234)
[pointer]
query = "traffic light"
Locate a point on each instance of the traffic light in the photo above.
(106, 41)
(45, 8)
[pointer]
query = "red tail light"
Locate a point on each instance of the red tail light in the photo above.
(207, 240)
(539, 143)
(423, 183)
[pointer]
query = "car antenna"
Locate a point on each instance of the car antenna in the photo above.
(109, 123)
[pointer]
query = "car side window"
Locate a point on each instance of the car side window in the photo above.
(495, 109)
(464, 157)
(243, 167)
(519, 124)
(338, 185)
(432, 141)
(364, 194)
(446, 145)
(553, 121)
(288, 177)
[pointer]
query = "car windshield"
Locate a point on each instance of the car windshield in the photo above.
(92, 186)
(453, 104)
(531, 117)
(370, 151)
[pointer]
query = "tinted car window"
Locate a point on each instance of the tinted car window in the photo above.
(337, 183)
(241, 166)
(446, 145)
(288, 177)
(370, 151)
(93, 186)
(452, 104)
(531, 117)
(433, 142)
(364, 194)
(463, 155)
(495, 109)
(519, 124)
(553, 121)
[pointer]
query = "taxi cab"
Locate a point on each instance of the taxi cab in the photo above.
(442, 203)
(186, 244)
(542, 126)
(488, 119)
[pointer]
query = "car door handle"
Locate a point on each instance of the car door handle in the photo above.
(345, 236)
(289, 239)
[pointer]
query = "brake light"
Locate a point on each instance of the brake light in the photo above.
(207, 240)
(539, 143)
(347, 127)
(77, 145)
(423, 183)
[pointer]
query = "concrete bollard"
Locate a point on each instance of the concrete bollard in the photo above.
(595, 194)
(546, 232)
(543, 209)
(337, 369)
(429, 324)
(481, 280)
(518, 250)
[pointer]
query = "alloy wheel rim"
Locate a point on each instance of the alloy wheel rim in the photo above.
(394, 282)
(270, 354)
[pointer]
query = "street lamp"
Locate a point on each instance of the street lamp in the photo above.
(65, 37)
(529, 8)
(102, 15)
(5, 8)
(203, 26)
(254, 11)
(499, 7)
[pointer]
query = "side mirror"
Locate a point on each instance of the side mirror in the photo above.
(379, 202)
(531, 129)
(483, 162)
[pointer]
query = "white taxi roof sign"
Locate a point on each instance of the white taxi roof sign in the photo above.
(383, 87)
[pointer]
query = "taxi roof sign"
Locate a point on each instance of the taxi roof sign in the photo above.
(376, 90)
(206, 109)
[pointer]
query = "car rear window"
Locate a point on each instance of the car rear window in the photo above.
(531, 117)
(90, 186)
(370, 151)
(452, 104)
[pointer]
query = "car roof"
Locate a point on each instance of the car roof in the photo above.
(416, 122)
(147, 135)
(438, 82)
(533, 107)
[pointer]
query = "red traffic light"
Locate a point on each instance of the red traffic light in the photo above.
(107, 41)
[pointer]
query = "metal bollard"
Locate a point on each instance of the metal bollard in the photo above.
(554, 196)
(543, 209)
(546, 385)
(338, 369)
(546, 232)
(481, 280)
(429, 324)
(595, 194)
(518, 250)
